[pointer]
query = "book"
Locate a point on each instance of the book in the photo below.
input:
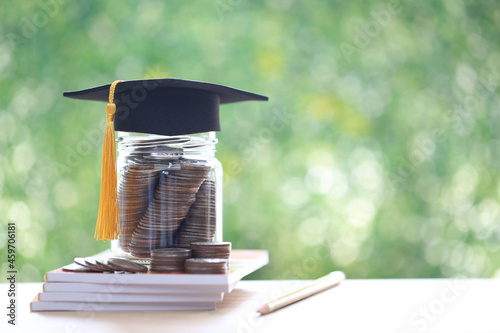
(85, 291)
(106, 297)
(131, 289)
(37, 305)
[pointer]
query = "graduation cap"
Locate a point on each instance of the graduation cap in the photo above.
(154, 106)
(166, 106)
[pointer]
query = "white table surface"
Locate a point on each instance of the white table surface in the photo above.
(412, 305)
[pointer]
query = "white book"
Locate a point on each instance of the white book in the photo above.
(131, 289)
(37, 305)
(105, 297)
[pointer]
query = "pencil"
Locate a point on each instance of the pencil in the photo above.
(326, 282)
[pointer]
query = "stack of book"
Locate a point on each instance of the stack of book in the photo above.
(85, 291)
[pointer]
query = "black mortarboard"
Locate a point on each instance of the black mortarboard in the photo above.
(167, 106)
(154, 106)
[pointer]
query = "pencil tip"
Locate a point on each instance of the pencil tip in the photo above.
(263, 309)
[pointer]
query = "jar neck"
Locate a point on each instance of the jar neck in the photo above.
(191, 145)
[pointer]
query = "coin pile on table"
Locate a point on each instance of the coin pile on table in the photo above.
(173, 197)
(206, 266)
(169, 259)
(200, 222)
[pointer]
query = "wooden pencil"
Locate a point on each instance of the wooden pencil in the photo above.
(326, 282)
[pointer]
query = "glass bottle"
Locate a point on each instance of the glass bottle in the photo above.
(169, 192)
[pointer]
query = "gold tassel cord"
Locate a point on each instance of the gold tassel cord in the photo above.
(108, 218)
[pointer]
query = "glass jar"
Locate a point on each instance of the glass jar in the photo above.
(169, 192)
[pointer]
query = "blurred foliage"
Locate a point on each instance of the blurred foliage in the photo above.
(377, 154)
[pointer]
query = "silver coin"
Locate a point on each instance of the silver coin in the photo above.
(126, 265)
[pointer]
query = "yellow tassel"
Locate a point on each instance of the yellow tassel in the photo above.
(108, 219)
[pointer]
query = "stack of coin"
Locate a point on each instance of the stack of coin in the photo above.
(206, 266)
(169, 259)
(174, 195)
(199, 224)
(136, 187)
(220, 250)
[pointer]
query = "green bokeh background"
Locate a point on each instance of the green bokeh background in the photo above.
(377, 154)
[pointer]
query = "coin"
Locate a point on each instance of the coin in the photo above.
(169, 259)
(200, 222)
(172, 199)
(211, 249)
(171, 252)
(126, 265)
(95, 266)
(77, 268)
(103, 262)
(135, 191)
(206, 266)
(156, 191)
(83, 263)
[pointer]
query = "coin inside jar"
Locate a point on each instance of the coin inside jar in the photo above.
(173, 197)
(200, 222)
